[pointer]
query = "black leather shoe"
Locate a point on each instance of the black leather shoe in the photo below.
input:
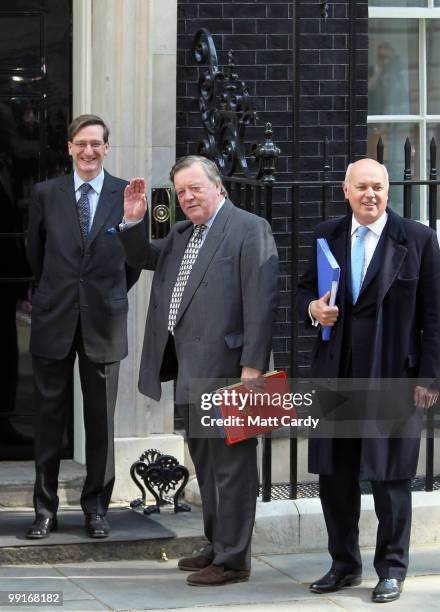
(42, 527)
(335, 580)
(387, 589)
(97, 526)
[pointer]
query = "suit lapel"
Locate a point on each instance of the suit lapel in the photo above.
(69, 205)
(212, 242)
(106, 203)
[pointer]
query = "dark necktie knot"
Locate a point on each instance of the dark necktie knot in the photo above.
(85, 188)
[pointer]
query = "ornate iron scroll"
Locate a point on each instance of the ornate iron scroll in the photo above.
(324, 9)
(226, 110)
(159, 474)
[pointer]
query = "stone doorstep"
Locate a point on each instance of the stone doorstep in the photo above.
(133, 536)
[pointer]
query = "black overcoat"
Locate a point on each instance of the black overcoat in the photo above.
(406, 339)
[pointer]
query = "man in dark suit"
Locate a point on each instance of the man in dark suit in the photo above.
(386, 325)
(79, 308)
(212, 305)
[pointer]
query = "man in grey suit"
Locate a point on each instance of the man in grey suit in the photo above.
(212, 306)
(79, 308)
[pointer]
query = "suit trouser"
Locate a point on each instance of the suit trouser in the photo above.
(228, 480)
(341, 503)
(99, 383)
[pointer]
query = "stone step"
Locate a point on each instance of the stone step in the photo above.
(17, 483)
(133, 536)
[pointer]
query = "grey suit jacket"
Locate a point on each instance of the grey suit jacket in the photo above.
(74, 282)
(228, 307)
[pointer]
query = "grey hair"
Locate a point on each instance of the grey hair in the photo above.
(209, 167)
(349, 167)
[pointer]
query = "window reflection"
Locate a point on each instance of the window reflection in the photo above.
(393, 137)
(393, 73)
(433, 68)
(399, 3)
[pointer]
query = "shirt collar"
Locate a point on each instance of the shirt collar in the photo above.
(211, 220)
(376, 227)
(95, 183)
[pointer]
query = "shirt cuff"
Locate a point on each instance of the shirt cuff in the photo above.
(313, 321)
(124, 225)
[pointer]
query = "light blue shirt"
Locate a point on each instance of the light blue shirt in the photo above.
(94, 193)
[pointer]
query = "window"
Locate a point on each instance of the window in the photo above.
(404, 90)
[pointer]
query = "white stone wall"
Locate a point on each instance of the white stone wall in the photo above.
(124, 70)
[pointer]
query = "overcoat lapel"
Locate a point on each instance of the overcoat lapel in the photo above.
(394, 254)
(68, 203)
(338, 246)
(212, 242)
(107, 201)
(376, 261)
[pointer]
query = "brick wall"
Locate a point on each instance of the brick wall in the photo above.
(296, 65)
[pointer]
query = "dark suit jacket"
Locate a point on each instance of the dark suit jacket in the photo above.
(406, 329)
(74, 283)
(228, 306)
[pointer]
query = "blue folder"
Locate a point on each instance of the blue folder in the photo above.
(328, 278)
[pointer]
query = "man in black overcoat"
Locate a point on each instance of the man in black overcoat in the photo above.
(385, 325)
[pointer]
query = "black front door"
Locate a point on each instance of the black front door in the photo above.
(35, 100)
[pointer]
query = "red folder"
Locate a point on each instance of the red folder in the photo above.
(244, 413)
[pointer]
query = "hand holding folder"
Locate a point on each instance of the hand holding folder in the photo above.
(328, 278)
(257, 412)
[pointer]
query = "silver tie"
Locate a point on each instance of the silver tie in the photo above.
(188, 259)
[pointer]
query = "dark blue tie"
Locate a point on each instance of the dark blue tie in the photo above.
(84, 210)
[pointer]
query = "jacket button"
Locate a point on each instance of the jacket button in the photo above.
(197, 339)
(81, 280)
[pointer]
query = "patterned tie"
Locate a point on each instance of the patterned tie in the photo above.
(357, 261)
(188, 259)
(84, 210)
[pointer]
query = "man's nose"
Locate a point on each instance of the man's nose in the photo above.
(370, 192)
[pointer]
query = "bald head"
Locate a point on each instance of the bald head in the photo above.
(364, 162)
(366, 188)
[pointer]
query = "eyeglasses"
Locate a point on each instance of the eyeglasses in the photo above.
(83, 145)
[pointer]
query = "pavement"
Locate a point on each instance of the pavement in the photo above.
(136, 567)
(277, 583)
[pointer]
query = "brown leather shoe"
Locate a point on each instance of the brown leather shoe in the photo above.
(193, 564)
(217, 575)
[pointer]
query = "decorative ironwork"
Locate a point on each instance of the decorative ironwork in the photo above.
(159, 474)
(324, 9)
(226, 110)
(266, 154)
